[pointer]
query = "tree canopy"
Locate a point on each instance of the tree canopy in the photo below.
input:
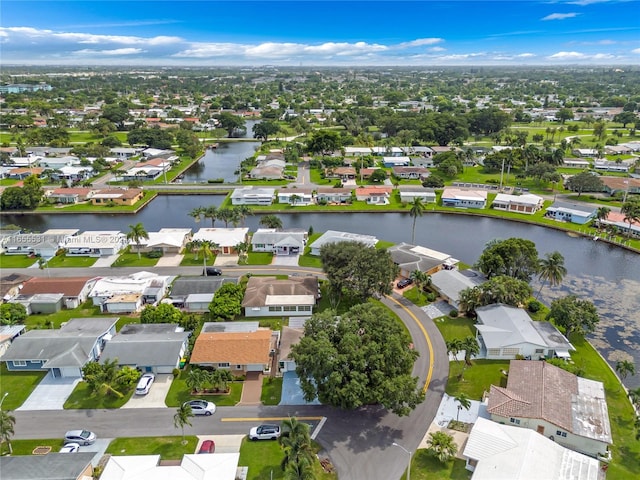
(498, 289)
(574, 315)
(163, 313)
(227, 302)
(360, 358)
(584, 182)
(515, 257)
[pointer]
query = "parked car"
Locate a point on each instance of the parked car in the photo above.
(208, 446)
(405, 282)
(202, 407)
(83, 437)
(212, 272)
(144, 384)
(265, 432)
(71, 447)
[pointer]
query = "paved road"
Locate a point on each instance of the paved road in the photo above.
(359, 442)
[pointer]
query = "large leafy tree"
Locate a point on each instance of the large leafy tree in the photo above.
(552, 270)
(227, 302)
(584, 182)
(12, 313)
(515, 257)
(324, 142)
(265, 128)
(356, 270)
(163, 313)
(360, 358)
(230, 122)
(574, 315)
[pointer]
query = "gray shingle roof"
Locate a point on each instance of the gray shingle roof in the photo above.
(52, 466)
(184, 286)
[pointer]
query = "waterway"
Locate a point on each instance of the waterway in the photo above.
(222, 162)
(607, 275)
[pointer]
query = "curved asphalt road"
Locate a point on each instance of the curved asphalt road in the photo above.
(359, 442)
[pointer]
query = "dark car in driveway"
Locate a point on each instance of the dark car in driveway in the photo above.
(405, 282)
(208, 446)
(212, 272)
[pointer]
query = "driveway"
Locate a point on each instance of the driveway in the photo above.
(291, 391)
(224, 443)
(50, 394)
(290, 260)
(99, 447)
(252, 389)
(226, 261)
(156, 396)
(437, 309)
(171, 260)
(105, 261)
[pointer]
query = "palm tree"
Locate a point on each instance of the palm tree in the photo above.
(624, 368)
(301, 470)
(471, 348)
(197, 213)
(7, 423)
(196, 379)
(271, 221)
(551, 270)
(421, 279)
(296, 443)
(211, 212)
(463, 401)
(194, 247)
(631, 211)
(181, 418)
(104, 378)
(207, 248)
(42, 264)
(454, 347)
(601, 214)
(634, 396)
(226, 215)
(137, 233)
(417, 207)
(243, 211)
(293, 199)
(242, 248)
(441, 446)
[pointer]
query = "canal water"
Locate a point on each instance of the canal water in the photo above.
(221, 162)
(607, 275)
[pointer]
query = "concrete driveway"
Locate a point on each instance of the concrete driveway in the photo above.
(170, 260)
(224, 443)
(99, 447)
(156, 396)
(105, 261)
(291, 260)
(50, 394)
(291, 391)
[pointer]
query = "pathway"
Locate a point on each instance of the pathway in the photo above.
(251, 389)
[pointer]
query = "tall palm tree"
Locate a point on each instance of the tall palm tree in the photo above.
(296, 443)
(194, 247)
(471, 348)
(551, 270)
(463, 401)
(197, 213)
(211, 213)
(293, 199)
(417, 207)
(625, 368)
(137, 233)
(454, 347)
(226, 215)
(271, 221)
(601, 214)
(631, 211)
(7, 423)
(421, 279)
(301, 470)
(196, 379)
(182, 417)
(243, 211)
(242, 248)
(442, 446)
(208, 249)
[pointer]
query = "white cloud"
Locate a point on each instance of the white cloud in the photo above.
(636, 51)
(420, 42)
(567, 55)
(436, 49)
(560, 16)
(117, 51)
(584, 3)
(525, 55)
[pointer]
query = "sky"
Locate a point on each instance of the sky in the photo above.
(319, 33)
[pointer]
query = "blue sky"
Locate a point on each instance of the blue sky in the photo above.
(344, 33)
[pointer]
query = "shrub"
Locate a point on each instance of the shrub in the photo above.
(175, 372)
(154, 254)
(534, 306)
(453, 313)
(215, 180)
(431, 297)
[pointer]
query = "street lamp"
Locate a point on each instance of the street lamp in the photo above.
(409, 453)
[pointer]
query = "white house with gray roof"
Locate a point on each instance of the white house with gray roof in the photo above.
(505, 332)
(279, 242)
(571, 212)
(449, 283)
(253, 196)
(333, 236)
(415, 257)
(62, 351)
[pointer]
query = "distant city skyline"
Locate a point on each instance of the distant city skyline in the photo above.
(320, 33)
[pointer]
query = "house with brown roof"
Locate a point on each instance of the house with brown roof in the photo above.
(75, 290)
(333, 195)
(238, 346)
(570, 410)
(613, 185)
(69, 195)
(374, 195)
(119, 196)
(343, 173)
(268, 296)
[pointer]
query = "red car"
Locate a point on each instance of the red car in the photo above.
(208, 446)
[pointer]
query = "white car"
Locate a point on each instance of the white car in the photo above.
(202, 407)
(144, 384)
(72, 447)
(82, 437)
(265, 432)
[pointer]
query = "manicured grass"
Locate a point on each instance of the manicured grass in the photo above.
(384, 244)
(427, 467)
(180, 393)
(308, 260)
(16, 261)
(7, 182)
(132, 260)
(415, 296)
(271, 391)
(85, 310)
(259, 258)
(191, 260)
(169, 448)
(71, 261)
(83, 398)
(26, 447)
(19, 385)
(477, 378)
(450, 328)
(148, 195)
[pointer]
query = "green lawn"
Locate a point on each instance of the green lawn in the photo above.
(19, 385)
(16, 261)
(415, 296)
(26, 447)
(308, 260)
(7, 182)
(85, 310)
(71, 261)
(450, 328)
(180, 393)
(90, 208)
(191, 260)
(169, 448)
(82, 398)
(477, 378)
(260, 258)
(132, 260)
(271, 390)
(427, 467)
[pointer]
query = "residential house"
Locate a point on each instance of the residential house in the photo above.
(156, 152)
(69, 195)
(197, 302)
(253, 196)
(333, 236)
(147, 170)
(270, 167)
(21, 173)
(225, 238)
(411, 257)
(43, 244)
(290, 336)
(503, 452)
(8, 333)
(62, 351)
(331, 195)
(365, 173)
(214, 466)
(296, 196)
(443, 149)
(122, 153)
(95, 243)
(409, 192)
(74, 290)
(77, 466)
(241, 347)
(575, 163)
(585, 152)
(40, 303)
(279, 242)
(151, 347)
(396, 161)
(614, 165)
(618, 150)
(571, 212)
(11, 284)
(72, 173)
(570, 410)
(345, 174)
(27, 163)
(613, 185)
(166, 240)
(464, 198)
(128, 293)
(387, 151)
(449, 283)
(527, 203)
(506, 332)
(59, 162)
(117, 196)
(268, 296)
(374, 195)
(618, 222)
(357, 151)
(411, 173)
